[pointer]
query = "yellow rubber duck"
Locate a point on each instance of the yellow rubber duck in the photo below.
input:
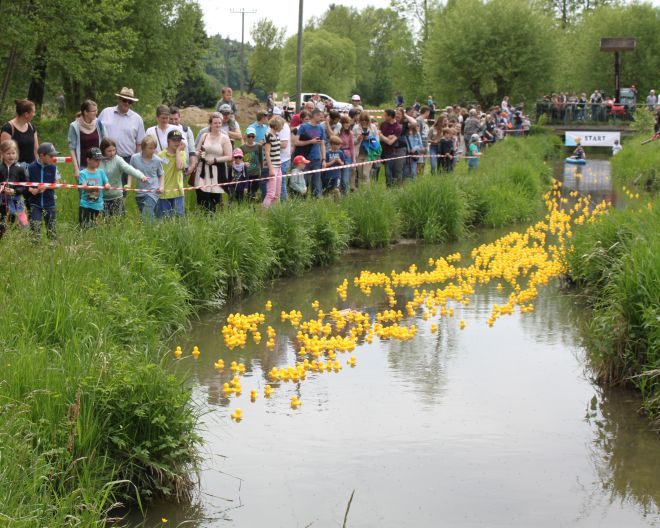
(268, 390)
(253, 395)
(178, 352)
(351, 361)
(195, 352)
(461, 324)
(237, 415)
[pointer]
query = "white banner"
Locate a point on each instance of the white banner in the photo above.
(592, 139)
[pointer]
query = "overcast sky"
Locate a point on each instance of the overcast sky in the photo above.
(284, 13)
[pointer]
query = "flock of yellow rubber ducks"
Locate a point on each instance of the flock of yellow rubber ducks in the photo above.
(519, 261)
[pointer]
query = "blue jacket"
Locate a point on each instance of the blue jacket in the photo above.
(42, 174)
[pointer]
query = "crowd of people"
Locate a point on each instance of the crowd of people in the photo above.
(314, 152)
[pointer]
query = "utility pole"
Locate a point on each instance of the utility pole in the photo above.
(242, 12)
(299, 57)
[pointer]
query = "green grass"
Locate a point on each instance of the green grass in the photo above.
(638, 165)
(616, 263)
(90, 411)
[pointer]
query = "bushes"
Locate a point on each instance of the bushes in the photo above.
(637, 164)
(617, 263)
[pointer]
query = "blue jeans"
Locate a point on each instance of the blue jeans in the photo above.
(147, 205)
(285, 169)
(169, 207)
(434, 150)
(45, 214)
(346, 175)
(263, 184)
(409, 169)
(314, 180)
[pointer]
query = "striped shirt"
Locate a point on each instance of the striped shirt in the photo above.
(274, 141)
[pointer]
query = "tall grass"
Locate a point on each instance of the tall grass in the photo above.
(374, 215)
(511, 178)
(637, 164)
(616, 262)
(433, 209)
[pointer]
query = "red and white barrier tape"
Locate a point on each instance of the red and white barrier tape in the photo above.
(224, 184)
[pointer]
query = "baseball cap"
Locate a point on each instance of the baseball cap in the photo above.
(300, 160)
(276, 110)
(250, 131)
(474, 137)
(47, 149)
(224, 109)
(238, 153)
(355, 97)
(174, 135)
(94, 153)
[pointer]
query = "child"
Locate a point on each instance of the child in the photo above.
(333, 158)
(273, 161)
(151, 181)
(41, 200)
(171, 200)
(253, 159)
(413, 149)
(446, 151)
(11, 199)
(473, 152)
(238, 174)
(114, 166)
(91, 200)
(297, 183)
(616, 148)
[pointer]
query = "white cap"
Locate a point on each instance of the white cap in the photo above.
(355, 97)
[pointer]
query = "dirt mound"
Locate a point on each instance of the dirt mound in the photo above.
(195, 116)
(248, 106)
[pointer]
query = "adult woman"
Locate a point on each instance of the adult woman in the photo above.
(22, 131)
(85, 132)
(363, 131)
(348, 148)
(213, 152)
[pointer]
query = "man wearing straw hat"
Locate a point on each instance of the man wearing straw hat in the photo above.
(124, 126)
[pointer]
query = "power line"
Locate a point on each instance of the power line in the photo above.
(243, 12)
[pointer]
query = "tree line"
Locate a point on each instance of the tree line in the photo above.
(457, 50)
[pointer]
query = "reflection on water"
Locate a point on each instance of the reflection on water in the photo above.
(480, 427)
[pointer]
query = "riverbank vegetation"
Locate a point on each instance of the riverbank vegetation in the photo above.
(637, 165)
(616, 265)
(90, 414)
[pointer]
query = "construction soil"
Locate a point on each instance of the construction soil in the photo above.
(247, 105)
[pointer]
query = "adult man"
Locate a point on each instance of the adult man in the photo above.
(162, 128)
(596, 101)
(189, 137)
(307, 107)
(229, 124)
(472, 126)
(423, 126)
(318, 103)
(390, 131)
(226, 99)
(651, 100)
(356, 103)
(312, 135)
(124, 126)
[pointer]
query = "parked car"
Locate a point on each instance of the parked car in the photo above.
(302, 98)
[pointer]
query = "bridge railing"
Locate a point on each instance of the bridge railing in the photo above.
(577, 113)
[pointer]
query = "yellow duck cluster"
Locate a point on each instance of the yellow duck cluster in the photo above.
(519, 262)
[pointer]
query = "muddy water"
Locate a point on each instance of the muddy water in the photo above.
(492, 427)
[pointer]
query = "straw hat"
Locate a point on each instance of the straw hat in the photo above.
(127, 93)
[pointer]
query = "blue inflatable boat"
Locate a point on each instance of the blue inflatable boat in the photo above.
(576, 161)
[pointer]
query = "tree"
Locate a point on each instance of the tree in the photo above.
(265, 61)
(472, 57)
(419, 13)
(567, 12)
(328, 64)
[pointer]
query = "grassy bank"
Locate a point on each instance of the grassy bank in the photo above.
(90, 413)
(637, 165)
(616, 263)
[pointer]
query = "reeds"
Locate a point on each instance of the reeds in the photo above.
(638, 165)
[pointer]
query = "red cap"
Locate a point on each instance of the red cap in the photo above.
(300, 160)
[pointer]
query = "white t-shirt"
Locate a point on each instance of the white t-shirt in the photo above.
(285, 135)
(161, 136)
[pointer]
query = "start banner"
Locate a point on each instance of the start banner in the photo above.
(592, 139)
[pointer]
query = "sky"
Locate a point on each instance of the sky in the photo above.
(284, 13)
